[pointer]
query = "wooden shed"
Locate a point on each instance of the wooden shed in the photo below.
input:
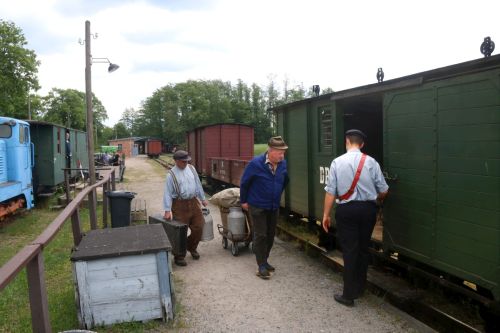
(123, 275)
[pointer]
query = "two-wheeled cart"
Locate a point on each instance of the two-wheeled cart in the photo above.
(235, 239)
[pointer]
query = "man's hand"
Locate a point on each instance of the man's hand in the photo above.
(244, 206)
(326, 223)
(167, 215)
(204, 203)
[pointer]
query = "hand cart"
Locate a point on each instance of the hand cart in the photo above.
(227, 235)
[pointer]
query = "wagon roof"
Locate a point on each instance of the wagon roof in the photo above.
(472, 66)
(217, 124)
(115, 242)
(46, 123)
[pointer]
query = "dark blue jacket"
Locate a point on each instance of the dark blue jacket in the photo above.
(259, 187)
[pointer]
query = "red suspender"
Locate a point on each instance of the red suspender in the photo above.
(348, 194)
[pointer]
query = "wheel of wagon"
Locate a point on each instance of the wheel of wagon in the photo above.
(234, 249)
(224, 242)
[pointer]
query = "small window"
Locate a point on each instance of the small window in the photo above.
(21, 134)
(26, 134)
(5, 131)
(325, 129)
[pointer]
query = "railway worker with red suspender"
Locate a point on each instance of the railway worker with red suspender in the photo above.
(261, 185)
(181, 199)
(355, 183)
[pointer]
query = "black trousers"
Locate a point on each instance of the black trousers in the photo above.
(355, 222)
(264, 229)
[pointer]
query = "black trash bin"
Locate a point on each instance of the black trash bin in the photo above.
(119, 202)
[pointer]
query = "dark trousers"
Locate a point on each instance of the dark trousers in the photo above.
(264, 229)
(189, 212)
(355, 222)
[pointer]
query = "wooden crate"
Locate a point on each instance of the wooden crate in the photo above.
(123, 275)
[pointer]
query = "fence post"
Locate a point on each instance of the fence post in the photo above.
(75, 226)
(113, 182)
(66, 185)
(40, 321)
(104, 205)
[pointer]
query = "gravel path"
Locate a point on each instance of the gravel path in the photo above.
(221, 293)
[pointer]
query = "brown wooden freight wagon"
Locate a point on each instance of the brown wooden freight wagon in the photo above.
(234, 141)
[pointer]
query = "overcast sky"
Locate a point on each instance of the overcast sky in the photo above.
(337, 44)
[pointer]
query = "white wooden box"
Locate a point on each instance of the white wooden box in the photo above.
(123, 275)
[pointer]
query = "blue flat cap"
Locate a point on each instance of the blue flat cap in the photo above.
(356, 132)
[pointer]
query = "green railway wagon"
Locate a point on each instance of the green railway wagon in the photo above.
(436, 135)
(50, 160)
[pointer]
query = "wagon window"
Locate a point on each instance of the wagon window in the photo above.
(5, 131)
(325, 129)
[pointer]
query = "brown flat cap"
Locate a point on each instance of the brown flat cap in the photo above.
(277, 142)
(182, 155)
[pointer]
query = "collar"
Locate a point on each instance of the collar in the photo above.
(354, 150)
(268, 161)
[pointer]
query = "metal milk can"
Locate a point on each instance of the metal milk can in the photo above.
(236, 221)
(208, 226)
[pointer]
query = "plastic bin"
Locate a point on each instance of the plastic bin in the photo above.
(119, 202)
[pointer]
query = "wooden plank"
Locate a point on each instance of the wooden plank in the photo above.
(83, 288)
(132, 310)
(164, 277)
(10, 270)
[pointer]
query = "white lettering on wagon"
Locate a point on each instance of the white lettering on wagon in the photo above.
(323, 174)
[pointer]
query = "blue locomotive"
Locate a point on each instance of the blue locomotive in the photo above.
(16, 163)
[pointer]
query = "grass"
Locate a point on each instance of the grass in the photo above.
(15, 314)
(259, 148)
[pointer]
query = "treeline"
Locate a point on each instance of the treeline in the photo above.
(176, 108)
(167, 114)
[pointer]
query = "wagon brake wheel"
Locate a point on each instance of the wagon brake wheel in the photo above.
(234, 249)
(224, 242)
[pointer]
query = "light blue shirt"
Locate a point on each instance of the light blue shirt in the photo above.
(342, 171)
(189, 186)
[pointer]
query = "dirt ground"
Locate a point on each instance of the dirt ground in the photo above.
(221, 293)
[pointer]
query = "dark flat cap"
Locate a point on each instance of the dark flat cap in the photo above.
(356, 132)
(182, 155)
(277, 142)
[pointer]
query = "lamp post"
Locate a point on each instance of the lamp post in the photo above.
(90, 119)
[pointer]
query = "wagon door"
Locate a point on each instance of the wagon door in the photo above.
(441, 144)
(410, 154)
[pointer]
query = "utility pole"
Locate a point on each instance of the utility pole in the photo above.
(90, 127)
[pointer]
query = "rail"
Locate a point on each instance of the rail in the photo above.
(31, 256)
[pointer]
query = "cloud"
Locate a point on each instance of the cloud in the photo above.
(337, 44)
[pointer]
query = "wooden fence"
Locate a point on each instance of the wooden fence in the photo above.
(31, 256)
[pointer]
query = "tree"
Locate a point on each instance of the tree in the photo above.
(67, 107)
(18, 71)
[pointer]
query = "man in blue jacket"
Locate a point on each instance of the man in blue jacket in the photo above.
(262, 183)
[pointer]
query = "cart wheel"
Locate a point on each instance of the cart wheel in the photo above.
(224, 242)
(234, 249)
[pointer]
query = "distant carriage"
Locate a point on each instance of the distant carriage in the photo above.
(50, 154)
(220, 152)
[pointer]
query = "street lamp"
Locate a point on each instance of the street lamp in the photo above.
(90, 118)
